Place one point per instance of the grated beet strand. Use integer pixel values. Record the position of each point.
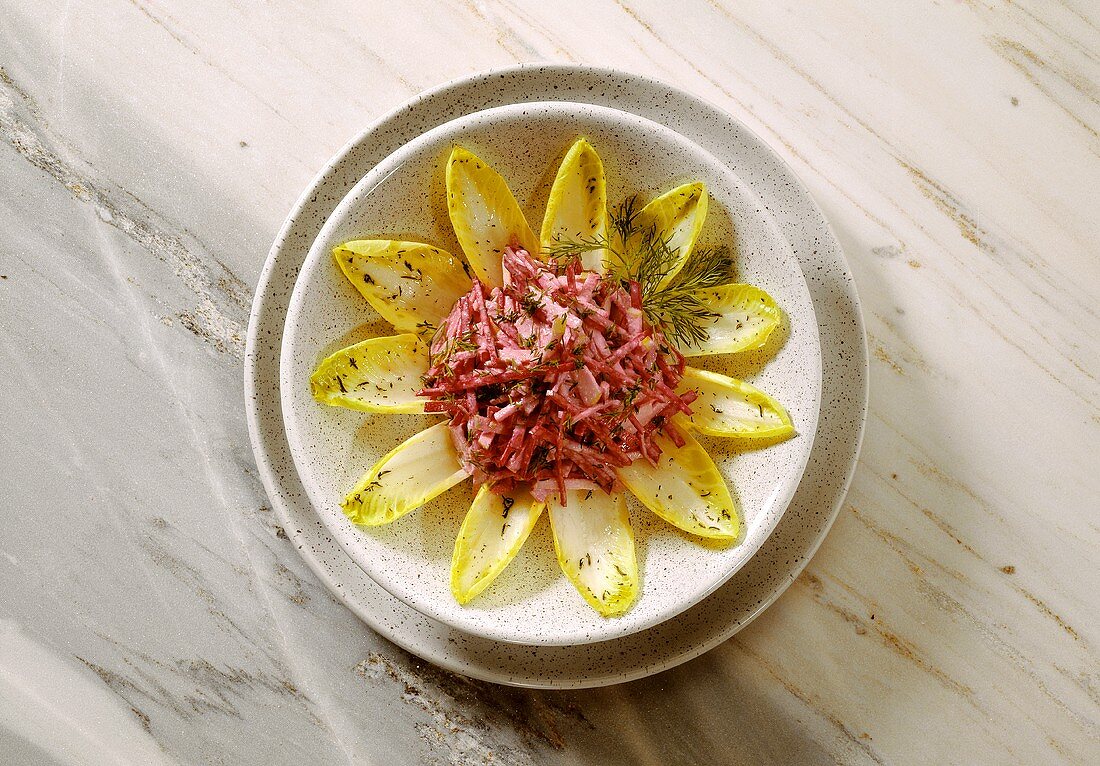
(554, 380)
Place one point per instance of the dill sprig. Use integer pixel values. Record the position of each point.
(644, 256)
(564, 251)
(624, 218)
(677, 306)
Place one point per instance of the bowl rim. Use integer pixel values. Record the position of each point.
(341, 528)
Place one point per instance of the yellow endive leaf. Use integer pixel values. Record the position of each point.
(412, 285)
(485, 215)
(423, 467)
(577, 208)
(685, 489)
(595, 547)
(377, 375)
(730, 407)
(492, 533)
(677, 217)
(746, 317)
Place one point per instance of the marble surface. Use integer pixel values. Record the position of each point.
(152, 609)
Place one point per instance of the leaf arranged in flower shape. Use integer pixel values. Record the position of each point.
(687, 290)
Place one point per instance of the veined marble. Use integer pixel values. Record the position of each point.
(149, 152)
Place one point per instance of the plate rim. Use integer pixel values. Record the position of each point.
(599, 630)
(375, 620)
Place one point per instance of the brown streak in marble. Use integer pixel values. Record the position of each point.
(1027, 62)
(143, 719)
(883, 356)
(188, 575)
(898, 545)
(937, 475)
(1048, 612)
(202, 687)
(912, 355)
(806, 699)
(903, 550)
(200, 329)
(887, 637)
(162, 524)
(114, 681)
(843, 191)
(222, 299)
(1083, 49)
(521, 14)
(501, 38)
(962, 297)
(28, 101)
(1089, 682)
(640, 21)
(932, 471)
(939, 521)
(950, 205)
(953, 606)
(212, 63)
(969, 232)
(1081, 85)
(297, 594)
(1078, 14)
(463, 706)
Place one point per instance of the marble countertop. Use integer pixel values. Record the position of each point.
(153, 613)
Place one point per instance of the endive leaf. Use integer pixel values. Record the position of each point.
(412, 285)
(595, 547)
(494, 530)
(746, 317)
(577, 208)
(485, 215)
(730, 407)
(676, 216)
(424, 466)
(377, 375)
(685, 489)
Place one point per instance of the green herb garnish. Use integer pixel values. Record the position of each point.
(643, 256)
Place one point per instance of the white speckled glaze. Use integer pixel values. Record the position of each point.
(404, 197)
(800, 531)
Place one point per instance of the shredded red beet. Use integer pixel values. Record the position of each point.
(554, 380)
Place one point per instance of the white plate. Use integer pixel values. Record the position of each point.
(532, 602)
(784, 554)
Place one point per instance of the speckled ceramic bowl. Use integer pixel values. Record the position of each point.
(532, 602)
